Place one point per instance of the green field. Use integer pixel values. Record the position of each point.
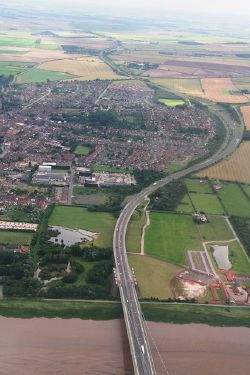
(169, 236)
(77, 217)
(15, 237)
(216, 230)
(208, 203)
(47, 46)
(234, 200)
(246, 188)
(185, 205)
(11, 52)
(134, 232)
(82, 150)
(13, 68)
(16, 42)
(195, 186)
(153, 276)
(172, 102)
(238, 258)
(39, 75)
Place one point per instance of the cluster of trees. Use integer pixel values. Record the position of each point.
(169, 196)
(242, 228)
(29, 214)
(17, 272)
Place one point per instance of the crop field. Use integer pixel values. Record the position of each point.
(82, 150)
(234, 168)
(39, 75)
(153, 276)
(77, 217)
(195, 186)
(185, 205)
(234, 200)
(186, 86)
(246, 188)
(15, 237)
(208, 203)
(16, 42)
(169, 236)
(86, 68)
(219, 90)
(172, 102)
(13, 68)
(245, 110)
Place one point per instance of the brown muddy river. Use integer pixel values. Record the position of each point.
(78, 347)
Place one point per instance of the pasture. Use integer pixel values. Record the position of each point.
(238, 258)
(196, 186)
(77, 217)
(234, 200)
(169, 236)
(220, 90)
(153, 276)
(86, 68)
(234, 168)
(172, 102)
(189, 86)
(185, 205)
(15, 237)
(208, 203)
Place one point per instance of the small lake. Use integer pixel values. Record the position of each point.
(70, 236)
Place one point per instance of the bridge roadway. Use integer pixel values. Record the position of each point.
(137, 334)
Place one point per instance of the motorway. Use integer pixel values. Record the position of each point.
(136, 328)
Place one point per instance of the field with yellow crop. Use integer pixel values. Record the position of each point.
(86, 68)
(235, 168)
(190, 86)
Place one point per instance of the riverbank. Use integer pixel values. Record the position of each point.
(105, 310)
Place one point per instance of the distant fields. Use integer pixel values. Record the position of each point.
(15, 237)
(16, 42)
(77, 217)
(38, 75)
(13, 68)
(219, 90)
(190, 86)
(86, 68)
(172, 102)
(153, 276)
(234, 168)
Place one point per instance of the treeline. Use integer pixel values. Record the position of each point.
(169, 196)
(242, 228)
(71, 49)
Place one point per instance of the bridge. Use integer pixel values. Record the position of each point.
(136, 328)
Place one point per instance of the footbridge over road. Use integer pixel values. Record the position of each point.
(136, 328)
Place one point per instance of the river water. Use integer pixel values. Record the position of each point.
(42, 346)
